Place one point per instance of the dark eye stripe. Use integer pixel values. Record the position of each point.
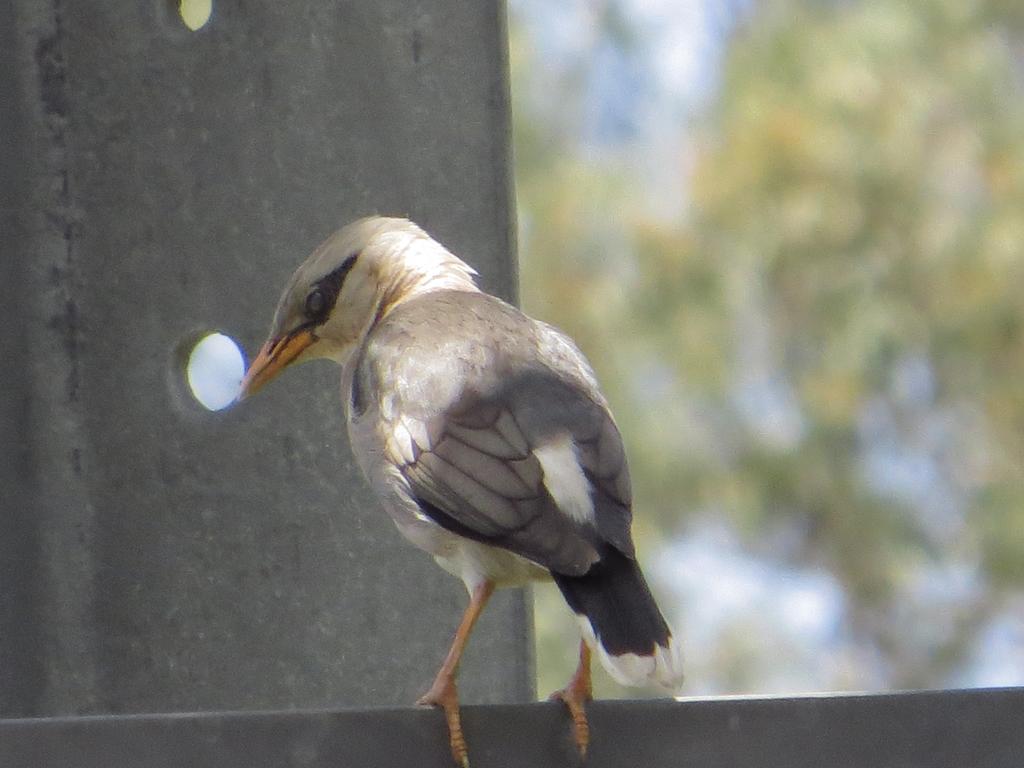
(327, 287)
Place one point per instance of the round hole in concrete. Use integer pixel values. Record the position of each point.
(215, 368)
(195, 13)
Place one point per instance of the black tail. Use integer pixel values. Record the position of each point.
(617, 610)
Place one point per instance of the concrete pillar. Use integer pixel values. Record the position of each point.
(156, 183)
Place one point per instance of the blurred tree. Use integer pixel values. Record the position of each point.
(826, 346)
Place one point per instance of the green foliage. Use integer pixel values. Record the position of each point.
(856, 243)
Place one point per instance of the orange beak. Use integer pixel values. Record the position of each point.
(273, 358)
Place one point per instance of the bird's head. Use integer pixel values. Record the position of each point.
(346, 285)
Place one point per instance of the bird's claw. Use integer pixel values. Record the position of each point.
(574, 702)
(443, 694)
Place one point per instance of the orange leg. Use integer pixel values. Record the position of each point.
(443, 693)
(577, 693)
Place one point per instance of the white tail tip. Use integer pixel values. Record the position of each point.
(662, 667)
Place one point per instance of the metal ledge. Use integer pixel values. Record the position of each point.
(941, 729)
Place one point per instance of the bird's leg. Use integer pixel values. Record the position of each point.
(577, 693)
(443, 693)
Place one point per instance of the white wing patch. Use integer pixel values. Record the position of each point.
(564, 478)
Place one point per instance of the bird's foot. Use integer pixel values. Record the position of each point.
(443, 694)
(575, 696)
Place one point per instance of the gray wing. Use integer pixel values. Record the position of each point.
(496, 423)
(477, 469)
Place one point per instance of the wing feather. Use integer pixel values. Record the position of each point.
(472, 503)
(507, 427)
(478, 482)
(490, 441)
(462, 422)
(490, 472)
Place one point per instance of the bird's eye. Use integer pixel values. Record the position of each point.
(316, 303)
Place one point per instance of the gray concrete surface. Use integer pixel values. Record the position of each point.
(953, 729)
(158, 183)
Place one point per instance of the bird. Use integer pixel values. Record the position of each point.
(487, 439)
